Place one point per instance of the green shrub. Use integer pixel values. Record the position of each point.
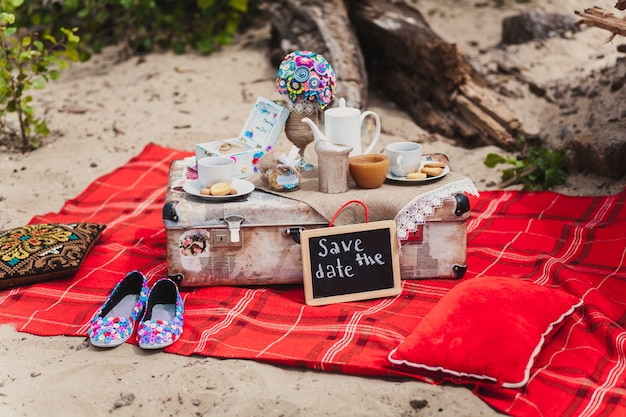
(31, 55)
(538, 169)
(28, 60)
(142, 25)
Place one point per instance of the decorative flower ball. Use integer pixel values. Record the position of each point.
(305, 75)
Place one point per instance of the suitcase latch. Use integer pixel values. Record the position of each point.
(294, 232)
(234, 226)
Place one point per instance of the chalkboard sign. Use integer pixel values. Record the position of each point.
(348, 263)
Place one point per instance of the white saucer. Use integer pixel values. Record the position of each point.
(406, 180)
(243, 187)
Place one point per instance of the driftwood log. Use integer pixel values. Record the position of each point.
(389, 46)
(603, 19)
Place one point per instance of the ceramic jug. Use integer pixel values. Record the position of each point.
(332, 160)
(342, 126)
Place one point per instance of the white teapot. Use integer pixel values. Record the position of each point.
(343, 126)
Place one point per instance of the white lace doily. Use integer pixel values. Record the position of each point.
(308, 107)
(418, 210)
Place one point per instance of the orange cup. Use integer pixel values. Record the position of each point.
(369, 171)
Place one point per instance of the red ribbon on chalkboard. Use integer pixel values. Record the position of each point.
(344, 206)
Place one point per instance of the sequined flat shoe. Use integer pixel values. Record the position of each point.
(114, 322)
(162, 322)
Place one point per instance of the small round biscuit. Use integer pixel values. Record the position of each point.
(205, 191)
(433, 172)
(220, 189)
(434, 164)
(233, 192)
(416, 176)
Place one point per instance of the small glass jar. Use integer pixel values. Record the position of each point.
(284, 178)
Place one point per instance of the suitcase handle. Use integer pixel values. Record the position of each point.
(344, 206)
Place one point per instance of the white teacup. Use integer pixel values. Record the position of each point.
(214, 169)
(404, 158)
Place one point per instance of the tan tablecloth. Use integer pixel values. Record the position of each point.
(408, 203)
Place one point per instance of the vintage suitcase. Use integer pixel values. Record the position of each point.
(255, 241)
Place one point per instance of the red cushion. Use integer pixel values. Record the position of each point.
(488, 329)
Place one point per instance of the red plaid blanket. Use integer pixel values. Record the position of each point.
(578, 244)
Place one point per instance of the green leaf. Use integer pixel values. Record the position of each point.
(73, 38)
(28, 110)
(240, 5)
(42, 129)
(224, 39)
(72, 55)
(492, 159)
(39, 83)
(39, 45)
(508, 174)
(26, 56)
(54, 75)
(26, 41)
(520, 163)
(232, 25)
(7, 19)
(71, 35)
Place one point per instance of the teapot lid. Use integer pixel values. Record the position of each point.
(343, 109)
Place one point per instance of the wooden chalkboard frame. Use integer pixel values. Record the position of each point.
(394, 282)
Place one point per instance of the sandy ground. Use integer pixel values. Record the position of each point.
(104, 112)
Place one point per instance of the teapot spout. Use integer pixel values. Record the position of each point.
(317, 133)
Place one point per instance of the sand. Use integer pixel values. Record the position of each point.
(104, 112)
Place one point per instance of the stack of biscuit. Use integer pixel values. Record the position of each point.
(220, 189)
(428, 169)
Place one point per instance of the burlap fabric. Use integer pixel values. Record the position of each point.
(383, 203)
